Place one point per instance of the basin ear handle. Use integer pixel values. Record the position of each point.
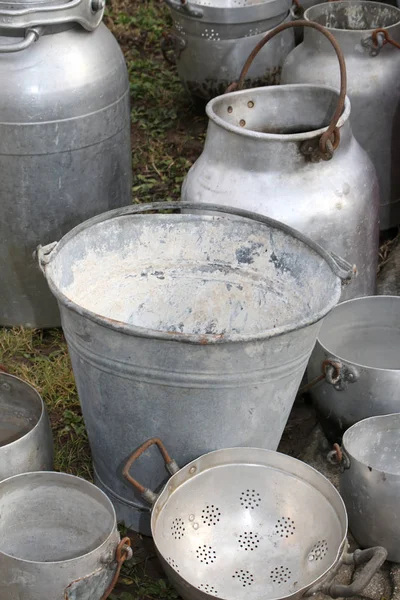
(170, 463)
(338, 456)
(43, 255)
(372, 558)
(330, 139)
(122, 553)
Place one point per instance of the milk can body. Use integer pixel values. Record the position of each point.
(210, 50)
(373, 83)
(64, 143)
(334, 202)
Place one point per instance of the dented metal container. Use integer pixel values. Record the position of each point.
(58, 539)
(26, 441)
(373, 68)
(211, 39)
(196, 326)
(64, 139)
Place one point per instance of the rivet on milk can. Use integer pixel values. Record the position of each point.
(198, 327)
(293, 157)
(26, 442)
(211, 38)
(58, 539)
(369, 35)
(64, 139)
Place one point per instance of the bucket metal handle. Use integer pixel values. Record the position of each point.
(372, 558)
(83, 588)
(342, 269)
(170, 464)
(330, 139)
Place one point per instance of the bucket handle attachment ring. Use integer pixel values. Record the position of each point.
(338, 456)
(377, 40)
(170, 464)
(122, 553)
(330, 139)
(372, 558)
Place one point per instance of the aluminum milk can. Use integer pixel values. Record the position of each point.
(211, 39)
(262, 153)
(373, 68)
(64, 139)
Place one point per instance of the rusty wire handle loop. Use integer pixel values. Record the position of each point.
(137, 454)
(385, 33)
(331, 372)
(122, 553)
(332, 131)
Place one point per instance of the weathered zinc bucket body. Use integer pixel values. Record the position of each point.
(211, 39)
(26, 442)
(261, 153)
(64, 139)
(373, 82)
(196, 326)
(58, 539)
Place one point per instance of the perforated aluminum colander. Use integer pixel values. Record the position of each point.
(245, 522)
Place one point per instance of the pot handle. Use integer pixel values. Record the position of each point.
(372, 558)
(170, 463)
(330, 139)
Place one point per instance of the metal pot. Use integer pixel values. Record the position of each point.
(64, 139)
(203, 319)
(356, 357)
(288, 152)
(58, 539)
(373, 82)
(26, 442)
(370, 481)
(210, 40)
(250, 521)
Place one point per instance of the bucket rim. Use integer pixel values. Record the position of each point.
(198, 339)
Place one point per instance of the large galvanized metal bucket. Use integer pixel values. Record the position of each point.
(58, 539)
(26, 442)
(198, 326)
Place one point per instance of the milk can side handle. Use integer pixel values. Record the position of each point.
(372, 558)
(170, 463)
(330, 139)
(32, 34)
(123, 553)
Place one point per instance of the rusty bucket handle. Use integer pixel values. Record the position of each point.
(122, 553)
(170, 464)
(330, 139)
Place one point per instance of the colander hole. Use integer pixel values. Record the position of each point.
(206, 554)
(173, 564)
(280, 575)
(208, 588)
(178, 528)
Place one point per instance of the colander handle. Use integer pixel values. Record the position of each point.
(372, 558)
(170, 463)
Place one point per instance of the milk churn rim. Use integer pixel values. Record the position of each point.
(62, 475)
(343, 358)
(43, 414)
(358, 425)
(283, 137)
(201, 339)
(362, 3)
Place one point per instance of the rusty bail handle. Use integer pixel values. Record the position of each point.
(388, 39)
(331, 131)
(137, 454)
(122, 553)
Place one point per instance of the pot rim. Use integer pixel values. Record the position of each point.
(360, 2)
(107, 503)
(359, 424)
(172, 486)
(43, 414)
(347, 360)
(276, 137)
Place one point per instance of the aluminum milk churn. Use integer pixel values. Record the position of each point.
(64, 139)
(211, 39)
(264, 151)
(373, 70)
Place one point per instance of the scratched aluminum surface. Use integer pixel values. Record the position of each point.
(190, 327)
